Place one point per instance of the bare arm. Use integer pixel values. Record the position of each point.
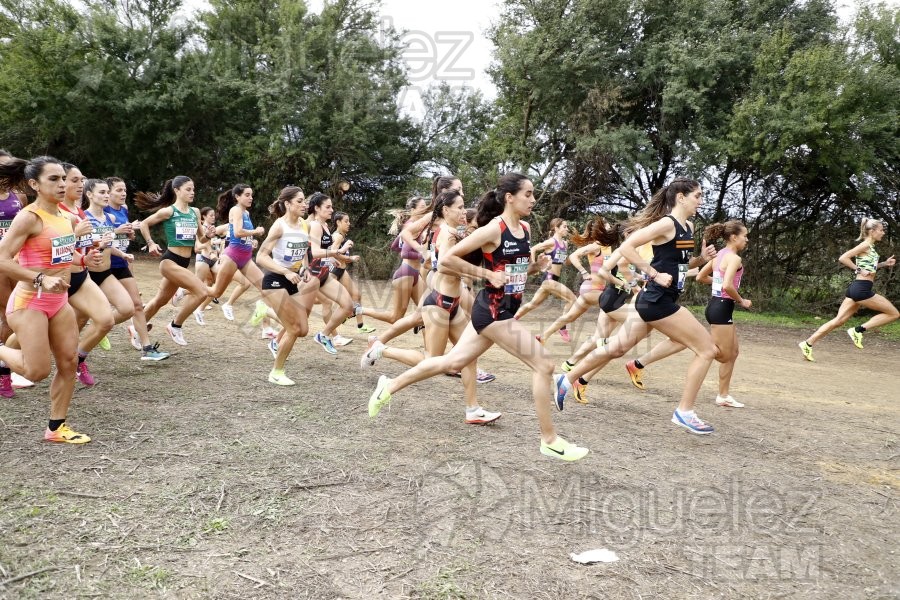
(847, 257)
(732, 264)
(452, 263)
(157, 217)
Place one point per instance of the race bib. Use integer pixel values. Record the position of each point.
(84, 241)
(717, 285)
(101, 231)
(122, 242)
(4, 227)
(516, 276)
(185, 232)
(682, 275)
(61, 249)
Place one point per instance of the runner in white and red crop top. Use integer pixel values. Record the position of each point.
(503, 239)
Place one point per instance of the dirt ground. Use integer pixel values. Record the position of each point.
(203, 480)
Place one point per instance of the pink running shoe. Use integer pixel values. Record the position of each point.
(6, 387)
(564, 334)
(84, 375)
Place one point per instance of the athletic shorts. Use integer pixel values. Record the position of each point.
(548, 276)
(339, 273)
(612, 299)
(48, 303)
(209, 261)
(75, 282)
(448, 303)
(484, 312)
(719, 311)
(406, 271)
(655, 307)
(241, 255)
(121, 273)
(182, 261)
(277, 281)
(100, 276)
(860, 290)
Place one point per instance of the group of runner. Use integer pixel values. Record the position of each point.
(64, 267)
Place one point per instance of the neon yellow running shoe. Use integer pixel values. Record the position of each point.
(567, 367)
(580, 392)
(259, 313)
(563, 450)
(279, 378)
(66, 435)
(365, 328)
(856, 337)
(807, 351)
(380, 396)
(105, 345)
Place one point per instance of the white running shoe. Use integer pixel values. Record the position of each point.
(179, 295)
(273, 347)
(198, 316)
(340, 340)
(228, 311)
(135, 340)
(481, 416)
(268, 334)
(177, 335)
(372, 353)
(20, 382)
(728, 401)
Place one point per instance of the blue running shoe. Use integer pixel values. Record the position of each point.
(691, 422)
(326, 344)
(563, 387)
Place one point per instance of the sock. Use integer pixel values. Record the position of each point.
(54, 424)
(176, 326)
(684, 413)
(472, 409)
(582, 381)
(638, 364)
(4, 370)
(605, 342)
(562, 328)
(860, 329)
(359, 325)
(81, 358)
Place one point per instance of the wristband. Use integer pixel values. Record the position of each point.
(82, 262)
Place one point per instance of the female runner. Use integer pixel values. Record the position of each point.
(181, 224)
(504, 240)
(863, 261)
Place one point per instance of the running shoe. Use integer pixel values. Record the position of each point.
(268, 334)
(484, 377)
(691, 422)
(562, 386)
(580, 391)
(273, 347)
(481, 416)
(153, 353)
(260, 310)
(340, 340)
(279, 378)
(564, 334)
(198, 316)
(365, 328)
(563, 450)
(380, 396)
(806, 349)
(635, 374)
(104, 344)
(457, 374)
(856, 337)
(417, 329)
(325, 342)
(728, 401)
(135, 340)
(84, 375)
(372, 353)
(20, 382)
(177, 297)
(228, 311)
(215, 300)
(567, 367)
(177, 334)
(66, 435)
(6, 387)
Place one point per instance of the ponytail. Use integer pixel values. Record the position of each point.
(722, 231)
(16, 172)
(227, 199)
(279, 208)
(147, 201)
(600, 232)
(493, 203)
(865, 226)
(401, 216)
(662, 203)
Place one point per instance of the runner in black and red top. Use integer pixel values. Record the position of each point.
(504, 242)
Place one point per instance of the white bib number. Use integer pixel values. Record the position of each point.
(4, 227)
(682, 275)
(516, 276)
(185, 232)
(61, 249)
(717, 285)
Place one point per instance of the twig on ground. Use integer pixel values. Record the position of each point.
(80, 494)
(221, 497)
(25, 576)
(259, 582)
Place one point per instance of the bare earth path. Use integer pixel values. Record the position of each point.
(206, 481)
